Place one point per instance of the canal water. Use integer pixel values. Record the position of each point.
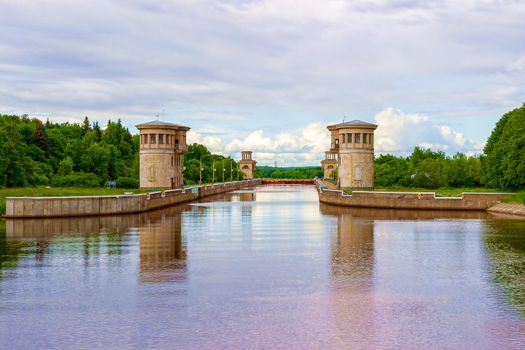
(264, 268)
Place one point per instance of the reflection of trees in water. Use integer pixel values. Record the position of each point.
(505, 245)
(11, 252)
(160, 239)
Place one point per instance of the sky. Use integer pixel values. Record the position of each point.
(270, 75)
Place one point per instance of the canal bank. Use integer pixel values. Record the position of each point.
(510, 209)
(408, 200)
(72, 206)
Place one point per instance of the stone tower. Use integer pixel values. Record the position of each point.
(247, 165)
(329, 165)
(354, 143)
(162, 147)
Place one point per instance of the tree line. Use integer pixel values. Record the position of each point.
(66, 154)
(289, 173)
(425, 168)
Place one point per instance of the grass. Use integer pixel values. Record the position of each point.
(518, 197)
(57, 192)
(442, 191)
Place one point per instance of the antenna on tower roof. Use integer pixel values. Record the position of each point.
(161, 114)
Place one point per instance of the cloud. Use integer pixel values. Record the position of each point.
(304, 146)
(399, 132)
(213, 143)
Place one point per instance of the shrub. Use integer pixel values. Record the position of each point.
(127, 182)
(76, 180)
(39, 179)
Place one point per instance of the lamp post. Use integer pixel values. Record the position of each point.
(201, 169)
(223, 170)
(213, 172)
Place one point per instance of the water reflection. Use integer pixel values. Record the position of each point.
(401, 214)
(353, 243)
(161, 251)
(505, 246)
(162, 255)
(46, 228)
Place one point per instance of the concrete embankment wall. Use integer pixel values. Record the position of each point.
(510, 209)
(409, 200)
(40, 207)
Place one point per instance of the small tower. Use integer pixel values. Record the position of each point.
(329, 165)
(354, 143)
(162, 148)
(247, 165)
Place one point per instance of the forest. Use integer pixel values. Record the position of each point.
(289, 173)
(33, 153)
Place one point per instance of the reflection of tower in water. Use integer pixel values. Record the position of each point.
(351, 298)
(247, 196)
(162, 255)
(353, 245)
(246, 210)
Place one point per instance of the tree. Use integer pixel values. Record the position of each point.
(66, 167)
(504, 160)
(39, 135)
(390, 170)
(85, 126)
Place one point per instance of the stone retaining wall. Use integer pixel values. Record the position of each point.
(508, 209)
(40, 207)
(409, 200)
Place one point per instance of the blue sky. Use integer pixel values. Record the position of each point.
(270, 75)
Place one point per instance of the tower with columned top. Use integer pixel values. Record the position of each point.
(353, 142)
(162, 148)
(329, 165)
(247, 164)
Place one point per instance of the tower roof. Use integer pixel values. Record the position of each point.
(353, 123)
(160, 124)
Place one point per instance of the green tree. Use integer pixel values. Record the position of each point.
(504, 160)
(66, 167)
(85, 126)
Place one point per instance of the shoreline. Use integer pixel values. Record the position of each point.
(508, 209)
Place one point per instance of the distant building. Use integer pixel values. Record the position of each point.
(329, 165)
(247, 164)
(162, 147)
(353, 142)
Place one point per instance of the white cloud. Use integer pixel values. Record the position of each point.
(399, 133)
(213, 143)
(304, 146)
